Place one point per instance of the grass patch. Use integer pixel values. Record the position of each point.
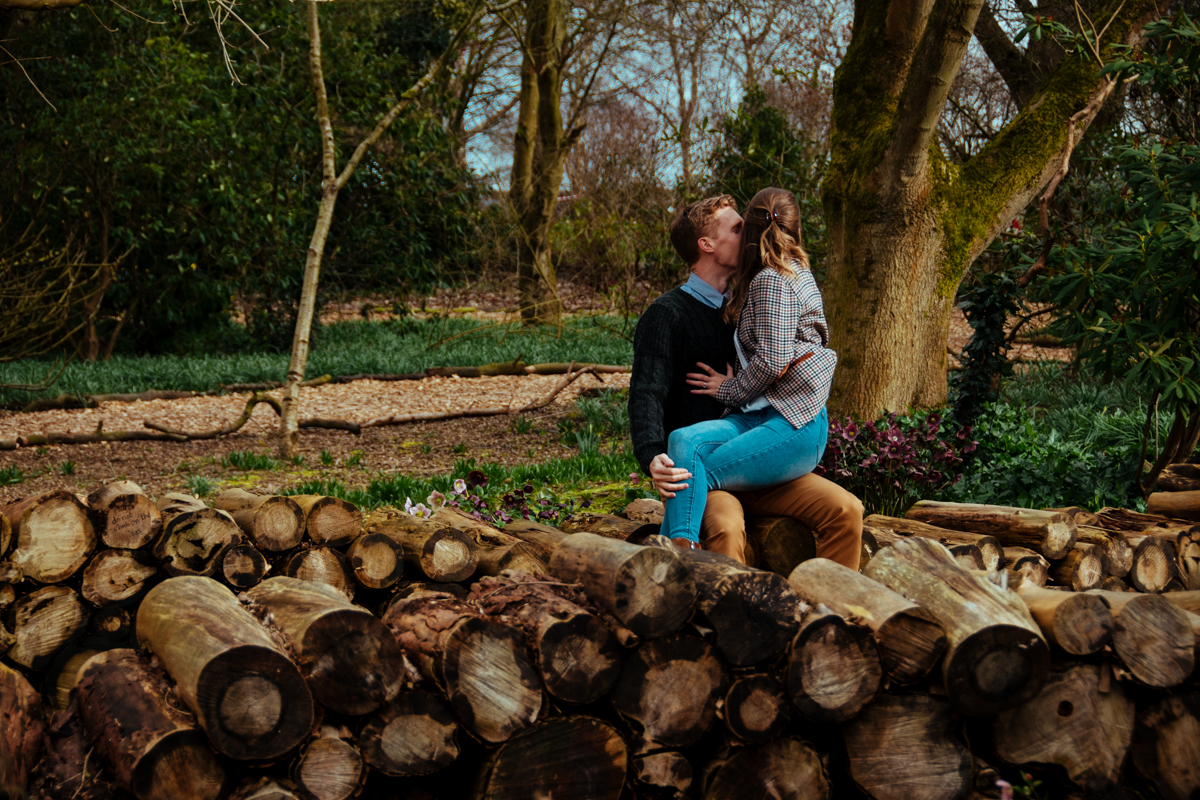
(345, 348)
(199, 486)
(11, 476)
(248, 461)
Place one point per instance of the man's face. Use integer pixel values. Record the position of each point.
(725, 235)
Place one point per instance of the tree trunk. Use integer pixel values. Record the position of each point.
(195, 537)
(1085, 567)
(833, 668)
(904, 747)
(43, 621)
(330, 520)
(990, 548)
(117, 577)
(243, 566)
(1033, 567)
(53, 534)
(753, 613)
(1153, 564)
(1166, 745)
(647, 589)
(577, 655)
(756, 708)
(1080, 624)
(1176, 505)
(1050, 533)
(1072, 722)
(648, 691)
(995, 657)
(480, 664)
(330, 767)
(274, 524)
(569, 758)
(903, 222)
(246, 693)
(323, 565)
(21, 734)
(414, 734)
(151, 748)
(784, 768)
(910, 639)
(377, 560)
(125, 517)
(349, 658)
(1152, 637)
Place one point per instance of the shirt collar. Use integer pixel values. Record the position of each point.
(703, 291)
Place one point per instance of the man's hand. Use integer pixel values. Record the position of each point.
(666, 478)
(710, 380)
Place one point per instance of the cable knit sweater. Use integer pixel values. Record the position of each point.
(675, 332)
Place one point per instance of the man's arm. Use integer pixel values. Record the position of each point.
(653, 366)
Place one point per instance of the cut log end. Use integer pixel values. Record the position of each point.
(782, 768)
(996, 668)
(834, 668)
(756, 708)
(413, 735)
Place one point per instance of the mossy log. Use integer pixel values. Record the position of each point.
(567, 758)
(833, 667)
(273, 523)
(756, 708)
(910, 640)
(1153, 637)
(1080, 624)
(329, 521)
(246, 693)
(996, 656)
(22, 728)
(125, 517)
(415, 734)
(1049, 532)
(989, 546)
(43, 621)
(117, 577)
(350, 659)
(576, 654)
(53, 535)
(330, 766)
(153, 749)
(650, 691)
(481, 665)
(783, 768)
(195, 537)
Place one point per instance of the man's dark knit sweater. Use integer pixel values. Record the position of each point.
(675, 332)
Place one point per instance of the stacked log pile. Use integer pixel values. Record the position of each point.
(275, 647)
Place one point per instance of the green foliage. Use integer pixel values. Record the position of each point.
(326, 459)
(987, 303)
(355, 459)
(522, 424)
(247, 461)
(67, 468)
(11, 475)
(200, 486)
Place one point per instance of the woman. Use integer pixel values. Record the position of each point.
(775, 428)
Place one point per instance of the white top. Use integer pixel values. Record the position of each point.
(759, 402)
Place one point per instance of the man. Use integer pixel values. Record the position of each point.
(684, 327)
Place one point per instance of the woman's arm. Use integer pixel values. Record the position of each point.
(776, 317)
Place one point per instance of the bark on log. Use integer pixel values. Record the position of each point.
(989, 546)
(756, 708)
(649, 690)
(1078, 514)
(1166, 745)
(43, 621)
(1176, 505)
(645, 510)
(967, 555)
(1074, 724)
(542, 537)
(1187, 559)
(480, 664)
(1179, 478)
(350, 659)
(784, 768)
(323, 565)
(273, 524)
(377, 560)
(243, 566)
(1033, 567)
(1153, 564)
(6, 536)
(68, 768)
(522, 557)
(195, 537)
(125, 517)
(1050, 533)
(1115, 545)
(268, 787)
(330, 767)
(665, 773)
(1112, 584)
(576, 654)
(1081, 624)
(330, 520)
(780, 543)
(22, 727)
(414, 734)
(995, 657)
(53, 535)
(439, 552)
(1122, 519)
(569, 758)
(117, 577)
(904, 747)
(647, 589)
(606, 525)
(1189, 601)
(1152, 637)
(246, 693)
(833, 668)
(1085, 567)
(153, 749)
(910, 640)
(754, 613)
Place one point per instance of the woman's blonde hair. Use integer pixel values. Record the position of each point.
(770, 238)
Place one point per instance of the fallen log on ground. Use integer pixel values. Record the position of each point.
(989, 546)
(1050, 533)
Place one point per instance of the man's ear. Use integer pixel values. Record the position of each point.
(705, 244)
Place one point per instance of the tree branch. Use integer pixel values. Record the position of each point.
(1016, 68)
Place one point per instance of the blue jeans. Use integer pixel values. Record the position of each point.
(751, 450)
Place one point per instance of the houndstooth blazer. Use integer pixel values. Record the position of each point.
(782, 322)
